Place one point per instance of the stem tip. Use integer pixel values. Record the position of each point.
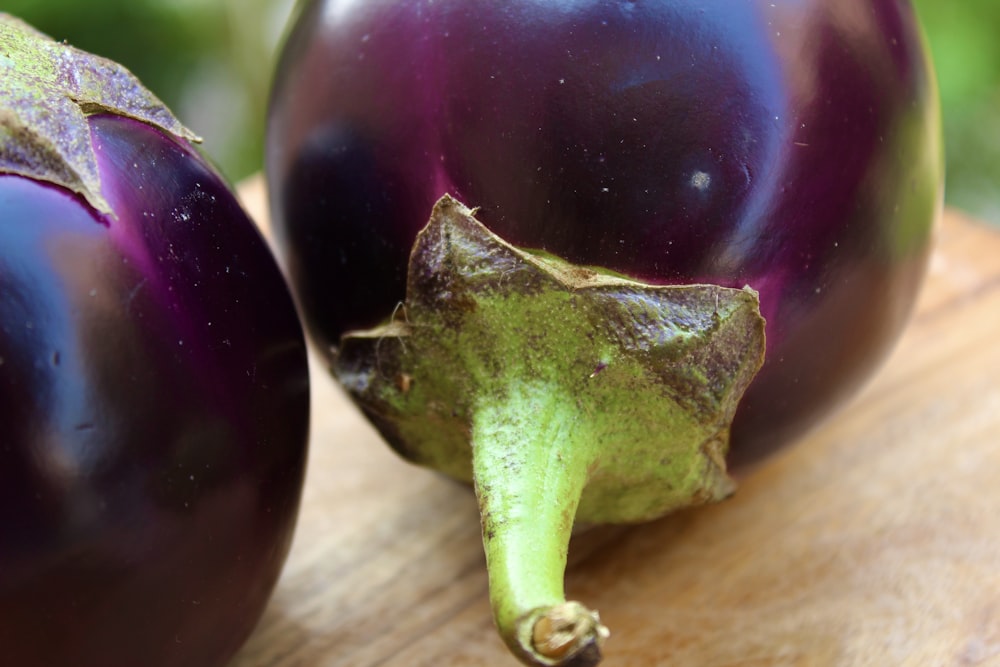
(569, 634)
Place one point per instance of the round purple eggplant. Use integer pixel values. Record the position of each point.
(154, 390)
(791, 148)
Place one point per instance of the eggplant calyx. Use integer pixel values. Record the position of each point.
(47, 90)
(562, 393)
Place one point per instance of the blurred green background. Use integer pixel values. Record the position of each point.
(211, 61)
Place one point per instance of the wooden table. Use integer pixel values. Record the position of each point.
(874, 541)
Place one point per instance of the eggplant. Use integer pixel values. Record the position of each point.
(154, 388)
(702, 165)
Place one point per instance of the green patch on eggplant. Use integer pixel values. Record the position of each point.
(47, 90)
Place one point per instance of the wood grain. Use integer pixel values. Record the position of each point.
(873, 541)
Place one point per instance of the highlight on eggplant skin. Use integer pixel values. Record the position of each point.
(154, 390)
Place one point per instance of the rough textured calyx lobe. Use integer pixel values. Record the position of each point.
(654, 373)
(47, 89)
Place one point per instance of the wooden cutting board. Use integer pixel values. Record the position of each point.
(873, 541)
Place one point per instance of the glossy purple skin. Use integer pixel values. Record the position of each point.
(792, 145)
(154, 398)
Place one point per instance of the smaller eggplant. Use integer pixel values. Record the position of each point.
(154, 388)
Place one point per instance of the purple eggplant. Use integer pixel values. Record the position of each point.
(154, 390)
(788, 147)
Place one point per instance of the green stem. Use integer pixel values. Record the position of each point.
(585, 394)
(529, 470)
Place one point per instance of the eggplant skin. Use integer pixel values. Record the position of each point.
(154, 397)
(789, 145)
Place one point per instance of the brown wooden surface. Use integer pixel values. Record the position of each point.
(874, 541)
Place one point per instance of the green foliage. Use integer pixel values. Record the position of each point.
(966, 54)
